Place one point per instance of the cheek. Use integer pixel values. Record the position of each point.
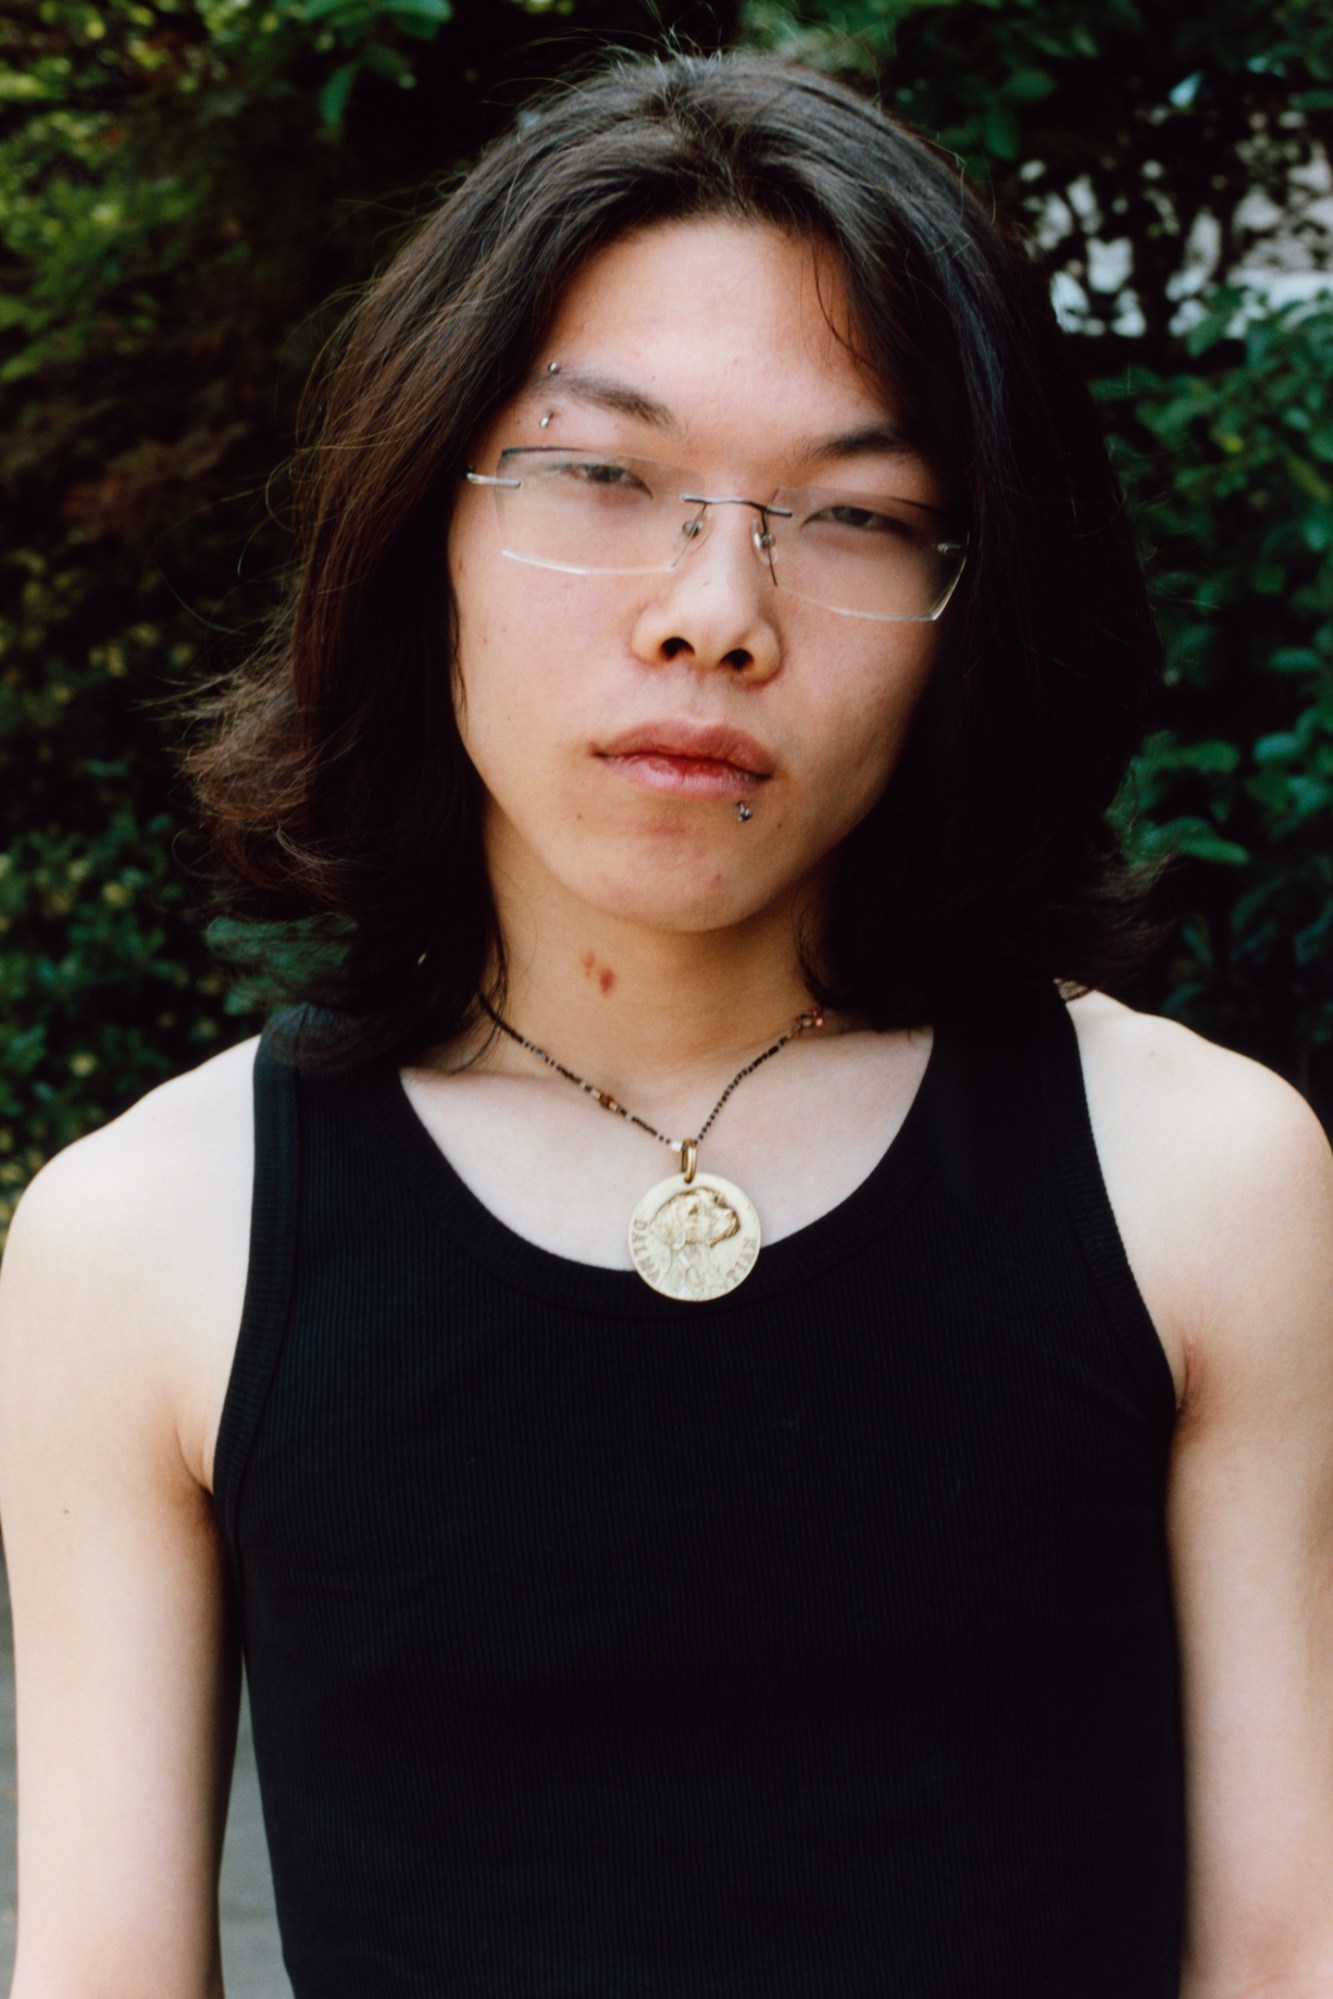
(876, 713)
(493, 647)
(519, 691)
(524, 625)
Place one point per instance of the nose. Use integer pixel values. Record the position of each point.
(716, 608)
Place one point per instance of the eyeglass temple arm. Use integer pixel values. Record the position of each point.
(486, 479)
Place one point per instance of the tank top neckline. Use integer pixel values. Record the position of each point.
(400, 1137)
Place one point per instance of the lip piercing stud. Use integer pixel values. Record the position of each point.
(743, 811)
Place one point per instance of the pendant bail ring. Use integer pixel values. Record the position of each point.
(689, 1158)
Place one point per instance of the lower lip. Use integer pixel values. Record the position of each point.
(686, 777)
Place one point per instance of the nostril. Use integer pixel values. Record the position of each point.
(674, 647)
(738, 658)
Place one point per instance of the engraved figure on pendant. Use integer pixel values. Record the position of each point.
(692, 1225)
(694, 1240)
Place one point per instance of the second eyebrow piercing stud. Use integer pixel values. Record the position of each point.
(553, 367)
(546, 420)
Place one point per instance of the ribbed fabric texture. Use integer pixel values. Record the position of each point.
(814, 1643)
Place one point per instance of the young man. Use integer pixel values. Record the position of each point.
(717, 646)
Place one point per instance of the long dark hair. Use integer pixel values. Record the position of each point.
(333, 781)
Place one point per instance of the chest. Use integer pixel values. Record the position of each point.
(913, 1439)
(558, 1171)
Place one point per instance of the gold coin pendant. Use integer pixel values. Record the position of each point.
(695, 1239)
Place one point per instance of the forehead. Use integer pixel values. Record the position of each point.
(717, 328)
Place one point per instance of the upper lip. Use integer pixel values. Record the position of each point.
(710, 742)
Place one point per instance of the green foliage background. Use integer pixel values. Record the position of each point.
(189, 192)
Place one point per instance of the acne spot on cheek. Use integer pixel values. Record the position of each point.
(606, 978)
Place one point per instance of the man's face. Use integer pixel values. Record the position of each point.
(708, 345)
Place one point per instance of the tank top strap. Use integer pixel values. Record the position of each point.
(1083, 1189)
(1013, 1143)
(997, 1068)
(274, 1218)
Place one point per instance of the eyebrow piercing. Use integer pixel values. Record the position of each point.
(743, 811)
(553, 367)
(546, 420)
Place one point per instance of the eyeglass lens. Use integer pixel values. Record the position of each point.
(597, 514)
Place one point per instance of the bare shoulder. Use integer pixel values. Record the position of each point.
(128, 1252)
(1220, 1174)
(1185, 1091)
(122, 1192)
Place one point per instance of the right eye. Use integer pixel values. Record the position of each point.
(605, 472)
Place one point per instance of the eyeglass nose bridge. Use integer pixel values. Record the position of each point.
(759, 535)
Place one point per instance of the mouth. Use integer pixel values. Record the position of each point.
(691, 759)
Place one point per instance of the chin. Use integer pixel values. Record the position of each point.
(699, 895)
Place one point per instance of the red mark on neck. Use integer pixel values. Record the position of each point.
(603, 974)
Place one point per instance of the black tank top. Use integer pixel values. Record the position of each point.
(815, 1643)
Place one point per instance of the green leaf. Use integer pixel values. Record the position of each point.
(1271, 789)
(1256, 907)
(432, 12)
(1213, 757)
(1029, 86)
(1000, 132)
(1309, 480)
(1198, 840)
(28, 362)
(1317, 530)
(1281, 747)
(1218, 320)
(333, 97)
(1310, 796)
(388, 63)
(1315, 941)
(1295, 659)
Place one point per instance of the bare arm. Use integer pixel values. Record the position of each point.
(1224, 1185)
(1251, 1519)
(127, 1674)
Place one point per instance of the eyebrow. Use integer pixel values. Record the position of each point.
(875, 439)
(872, 440)
(604, 392)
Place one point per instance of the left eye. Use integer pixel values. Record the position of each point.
(862, 520)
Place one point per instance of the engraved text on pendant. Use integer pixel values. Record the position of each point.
(694, 1239)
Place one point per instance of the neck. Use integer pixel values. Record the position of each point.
(628, 1006)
